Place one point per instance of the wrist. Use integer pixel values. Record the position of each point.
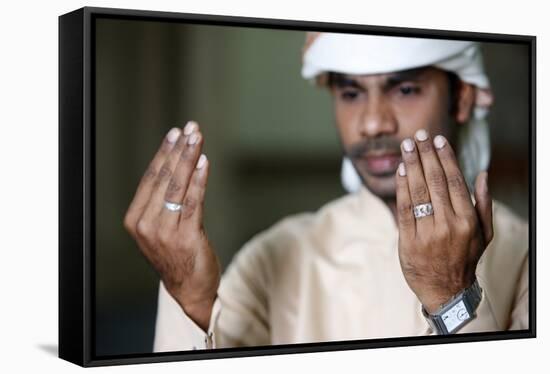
(200, 312)
(433, 302)
(456, 312)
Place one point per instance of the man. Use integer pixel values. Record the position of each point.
(409, 252)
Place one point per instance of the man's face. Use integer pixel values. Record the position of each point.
(374, 113)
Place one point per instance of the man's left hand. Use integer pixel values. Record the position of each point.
(439, 253)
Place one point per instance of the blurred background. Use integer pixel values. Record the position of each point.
(269, 136)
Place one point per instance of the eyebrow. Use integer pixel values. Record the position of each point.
(344, 80)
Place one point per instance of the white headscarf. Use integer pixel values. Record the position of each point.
(369, 54)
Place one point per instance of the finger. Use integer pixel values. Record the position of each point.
(418, 188)
(193, 203)
(405, 217)
(164, 177)
(146, 184)
(185, 166)
(484, 206)
(458, 190)
(434, 175)
(179, 183)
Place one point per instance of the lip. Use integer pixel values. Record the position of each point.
(383, 163)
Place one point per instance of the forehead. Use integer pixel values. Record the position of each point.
(417, 74)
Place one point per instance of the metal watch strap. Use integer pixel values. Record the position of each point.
(470, 297)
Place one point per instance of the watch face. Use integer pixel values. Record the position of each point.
(462, 314)
(455, 316)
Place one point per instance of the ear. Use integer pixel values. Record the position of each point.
(465, 102)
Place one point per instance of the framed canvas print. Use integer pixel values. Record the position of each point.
(236, 186)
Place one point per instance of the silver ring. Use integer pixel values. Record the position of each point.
(423, 210)
(173, 207)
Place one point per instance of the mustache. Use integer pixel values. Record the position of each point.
(385, 144)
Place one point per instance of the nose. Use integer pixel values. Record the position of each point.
(377, 118)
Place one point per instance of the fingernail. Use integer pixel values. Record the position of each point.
(173, 135)
(408, 145)
(189, 127)
(201, 162)
(439, 141)
(421, 135)
(401, 169)
(193, 139)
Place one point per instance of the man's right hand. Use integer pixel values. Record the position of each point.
(175, 243)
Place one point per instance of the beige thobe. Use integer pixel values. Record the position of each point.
(335, 275)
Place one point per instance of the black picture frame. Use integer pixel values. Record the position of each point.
(77, 176)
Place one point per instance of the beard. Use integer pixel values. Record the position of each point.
(375, 161)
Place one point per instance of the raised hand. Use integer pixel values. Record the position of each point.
(166, 220)
(439, 252)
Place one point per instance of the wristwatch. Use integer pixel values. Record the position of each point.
(457, 312)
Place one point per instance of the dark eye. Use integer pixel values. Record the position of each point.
(408, 90)
(349, 95)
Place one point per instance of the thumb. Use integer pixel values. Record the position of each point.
(484, 206)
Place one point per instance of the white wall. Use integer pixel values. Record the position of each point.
(28, 205)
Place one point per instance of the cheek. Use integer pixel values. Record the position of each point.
(346, 123)
(425, 113)
(411, 120)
